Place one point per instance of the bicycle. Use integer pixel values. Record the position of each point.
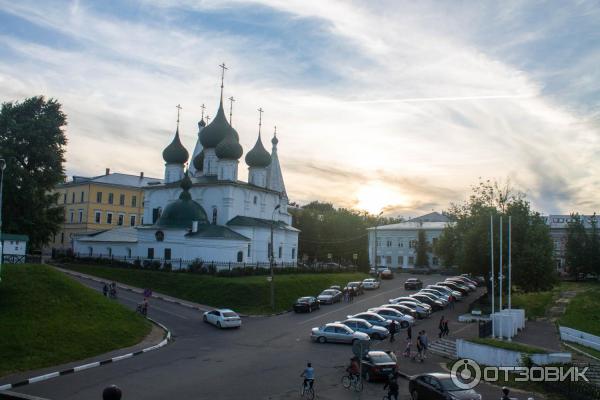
(307, 391)
(352, 381)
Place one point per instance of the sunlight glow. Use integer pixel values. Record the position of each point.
(376, 197)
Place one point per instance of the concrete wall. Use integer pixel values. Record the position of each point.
(496, 357)
(583, 338)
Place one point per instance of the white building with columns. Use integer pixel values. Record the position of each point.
(205, 212)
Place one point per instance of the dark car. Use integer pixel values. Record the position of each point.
(455, 286)
(404, 309)
(306, 304)
(438, 386)
(357, 287)
(423, 298)
(413, 284)
(378, 365)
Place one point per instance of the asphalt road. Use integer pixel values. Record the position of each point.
(262, 360)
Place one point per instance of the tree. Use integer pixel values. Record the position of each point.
(422, 250)
(32, 142)
(576, 248)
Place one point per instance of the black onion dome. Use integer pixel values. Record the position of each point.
(258, 156)
(216, 131)
(275, 140)
(199, 161)
(175, 153)
(201, 124)
(229, 148)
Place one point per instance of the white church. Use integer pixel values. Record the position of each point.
(205, 212)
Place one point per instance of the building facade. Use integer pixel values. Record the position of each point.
(394, 246)
(94, 204)
(559, 225)
(202, 211)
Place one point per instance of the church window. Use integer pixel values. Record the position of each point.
(98, 197)
(280, 252)
(122, 200)
(133, 201)
(151, 252)
(255, 199)
(109, 252)
(90, 251)
(293, 253)
(214, 216)
(111, 198)
(167, 254)
(240, 256)
(109, 218)
(249, 249)
(128, 252)
(97, 216)
(132, 220)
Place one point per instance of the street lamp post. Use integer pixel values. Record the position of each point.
(2, 168)
(272, 258)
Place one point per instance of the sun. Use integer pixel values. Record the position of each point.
(376, 196)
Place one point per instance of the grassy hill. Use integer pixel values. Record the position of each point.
(47, 319)
(249, 294)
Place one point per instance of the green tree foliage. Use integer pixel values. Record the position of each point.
(32, 142)
(467, 243)
(340, 232)
(422, 250)
(582, 250)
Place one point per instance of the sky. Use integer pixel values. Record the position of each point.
(393, 106)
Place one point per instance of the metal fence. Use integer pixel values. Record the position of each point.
(21, 259)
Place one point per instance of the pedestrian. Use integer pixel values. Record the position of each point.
(105, 290)
(446, 329)
(409, 333)
(407, 348)
(346, 295)
(351, 294)
(441, 327)
(451, 301)
(419, 354)
(425, 341)
(392, 329)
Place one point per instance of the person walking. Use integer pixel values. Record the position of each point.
(351, 294)
(419, 354)
(392, 329)
(451, 301)
(446, 329)
(407, 348)
(105, 290)
(441, 327)
(425, 342)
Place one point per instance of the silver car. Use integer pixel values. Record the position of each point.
(335, 332)
(329, 296)
(360, 325)
(403, 319)
(457, 295)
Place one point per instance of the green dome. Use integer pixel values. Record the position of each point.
(229, 148)
(183, 211)
(199, 161)
(218, 129)
(258, 156)
(175, 153)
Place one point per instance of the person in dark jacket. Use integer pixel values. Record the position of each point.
(392, 329)
(392, 387)
(441, 327)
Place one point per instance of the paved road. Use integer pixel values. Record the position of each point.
(262, 360)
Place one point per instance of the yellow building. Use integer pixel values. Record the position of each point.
(99, 203)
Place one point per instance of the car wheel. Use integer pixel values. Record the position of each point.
(414, 395)
(322, 339)
(219, 324)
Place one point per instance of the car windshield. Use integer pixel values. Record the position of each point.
(448, 384)
(352, 284)
(380, 358)
(369, 280)
(328, 292)
(303, 299)
(229, 314)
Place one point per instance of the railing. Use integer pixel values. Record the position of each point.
(21, 259)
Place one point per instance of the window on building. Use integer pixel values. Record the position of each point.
(378, 243)
(111, 198)
(109, 218)
(132, 220)
(293, 253)
(62, 237)
(80, 216)
(97, 216)
(412, 244)
(378, 260)
(389, 243)
(122, 200)
(133, 201)
(150, 253)
(255, 199)
(411, 260)
(82, 198)
(98, 197)
(71, 216)
(388, 260)
(280, 252)
(435, 261)
(73, 197)
(214, 215)
(120, 219)
(400, 243)
(109, 252)
(240, 256)
(400, 260)
(65, 198)
(434, 241)
(249, 250)
(167, 254)
(128, 252)
(90, 251)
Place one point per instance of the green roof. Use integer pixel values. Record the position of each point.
(175, 153)
(258, 156)
(218, 129)
(14, 236)
(183, 211)
(257, 222)
(216, 232)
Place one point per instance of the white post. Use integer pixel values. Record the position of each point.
(500, 275)
(2, 167)
(492, 277)
(509, 262)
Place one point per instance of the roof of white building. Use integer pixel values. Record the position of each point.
(126, 235)
(115, 178)
(412, 225)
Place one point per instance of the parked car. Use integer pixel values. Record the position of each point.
(329, 296)
(371, 283)
(356, 286)
(389, 313)
(455, 286)
(223, 318)
(360, 325)
(418, 307)
(434, 303)
(413, 284)
(386, 274)
(378, 365)
(411, 299)
(457, 295)
(336, 287)
(334, 332)
(306, 304)
(403, 308)
(464, 282)
(372, 318)
(438, 386)
(437, 293)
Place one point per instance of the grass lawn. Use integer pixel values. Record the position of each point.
(535, 304)
(589, 350)
(522, 348)
(583, 312)
(249, 294)
(48, 319)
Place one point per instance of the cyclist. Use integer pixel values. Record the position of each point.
(392, 387)
(308, 375)
(354, 368)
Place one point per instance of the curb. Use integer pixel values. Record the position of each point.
(40, 378)
(580, 351)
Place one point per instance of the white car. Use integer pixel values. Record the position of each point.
(371, 283)
(223, 318)
(390, 313)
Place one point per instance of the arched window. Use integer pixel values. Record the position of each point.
(90, 251)
(255, 199)
(214, 216)
(109, 251)
(240, 256)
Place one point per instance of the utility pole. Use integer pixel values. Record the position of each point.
(272, 259)
(509, 262)
(500, 276)
(492, 277)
